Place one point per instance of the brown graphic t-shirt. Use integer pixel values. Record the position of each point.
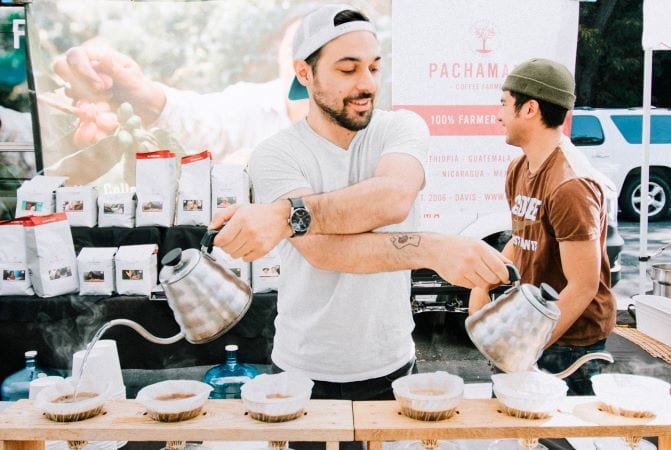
(552, 205)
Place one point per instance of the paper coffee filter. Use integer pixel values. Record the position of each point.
(290, 384)
(531, 395)
(433, 391)
(283, 394)
(428, 396)
(45, 398)
(41, 383)
(529, 384)
(631, 395)
(150, 396)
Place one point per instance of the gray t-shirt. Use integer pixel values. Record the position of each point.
(333, 326)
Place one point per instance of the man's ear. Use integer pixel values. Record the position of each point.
(531, 108)
(303, 72)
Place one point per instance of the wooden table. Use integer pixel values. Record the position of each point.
(23, 427)
(378, 421)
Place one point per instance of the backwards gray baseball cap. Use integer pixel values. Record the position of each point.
(318, 29)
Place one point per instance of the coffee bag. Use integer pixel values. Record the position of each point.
(136, 269)
(80, 203)
(116, 210)
(194, 198)
(155, 188)
(266, 272)
(230, 185)
(14, 274)
(96, 270)
(37, 197)
(239, 267)
(50, 253)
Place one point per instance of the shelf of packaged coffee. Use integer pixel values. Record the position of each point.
(22, 425)
(378, 421)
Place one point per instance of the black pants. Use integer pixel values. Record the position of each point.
(373, 389)
(556, 358)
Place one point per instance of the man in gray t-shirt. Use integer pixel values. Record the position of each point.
(348, 233)
(339, 326)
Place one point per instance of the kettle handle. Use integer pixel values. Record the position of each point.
(513, 273)
(208, 239)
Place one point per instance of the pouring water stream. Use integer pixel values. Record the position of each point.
(125, 322)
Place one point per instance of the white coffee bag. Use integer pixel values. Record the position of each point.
(136, 269)
(96, 270)
(266, 272)
(36, 197)
(80, 203)
(239, 267)
(194, 198)
(50, 253)
(14, 274)
(116, 210)
(155, 187)
(230, 185)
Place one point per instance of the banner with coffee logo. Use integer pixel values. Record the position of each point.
(450, 60)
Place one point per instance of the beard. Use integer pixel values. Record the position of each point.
(355, 121)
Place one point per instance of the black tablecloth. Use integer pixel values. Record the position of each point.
(57, 327)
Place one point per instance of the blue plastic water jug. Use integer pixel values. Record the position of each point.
(227, 378)
(17, 385)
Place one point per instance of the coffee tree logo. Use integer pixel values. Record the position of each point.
(484, 31)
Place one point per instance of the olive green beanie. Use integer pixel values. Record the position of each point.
(543, 79)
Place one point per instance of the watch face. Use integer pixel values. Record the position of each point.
(300, 220)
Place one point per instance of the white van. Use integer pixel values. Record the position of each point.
(611, 138)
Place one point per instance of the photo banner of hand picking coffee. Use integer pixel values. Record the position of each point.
(114, 78)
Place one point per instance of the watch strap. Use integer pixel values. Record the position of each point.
(296, 202)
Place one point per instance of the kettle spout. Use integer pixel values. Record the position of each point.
(143, 331)
(582, 360)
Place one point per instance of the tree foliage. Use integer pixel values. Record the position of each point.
(609, 68)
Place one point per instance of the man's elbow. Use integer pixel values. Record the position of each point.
(592, 285)
(401, 205)
(589, 289)
(397, 215)
(316, 258)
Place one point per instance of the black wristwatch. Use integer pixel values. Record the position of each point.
(299, 218)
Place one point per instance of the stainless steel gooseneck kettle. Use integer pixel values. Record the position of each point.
(512, 331)
(206, 298)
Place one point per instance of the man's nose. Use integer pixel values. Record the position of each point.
(367, 82)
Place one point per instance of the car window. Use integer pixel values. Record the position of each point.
(586, 130)
(631, 128)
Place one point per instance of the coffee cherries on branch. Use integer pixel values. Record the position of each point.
(96, 122)
(131, 132)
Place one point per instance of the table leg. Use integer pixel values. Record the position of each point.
(22, 445)
(664, 443)
(374, 445)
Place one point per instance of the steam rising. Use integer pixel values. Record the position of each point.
(68, 335)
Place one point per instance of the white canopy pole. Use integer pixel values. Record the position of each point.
(645, 172)
(656, 36)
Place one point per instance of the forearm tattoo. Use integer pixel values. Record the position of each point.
(403, 240)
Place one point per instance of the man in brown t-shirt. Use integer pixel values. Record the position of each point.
(558, 218)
